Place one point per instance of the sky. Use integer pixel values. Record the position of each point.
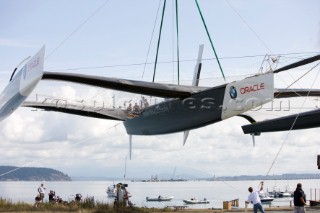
(119, 39)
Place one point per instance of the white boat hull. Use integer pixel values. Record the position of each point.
(161, 199)
(196, 201)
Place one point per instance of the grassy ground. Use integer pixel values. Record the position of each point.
(90, 206)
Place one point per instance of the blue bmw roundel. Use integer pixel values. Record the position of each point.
(233, 92)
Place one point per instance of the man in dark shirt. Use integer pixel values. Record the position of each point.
(299, 200)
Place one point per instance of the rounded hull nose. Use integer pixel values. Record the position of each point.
(21, 85)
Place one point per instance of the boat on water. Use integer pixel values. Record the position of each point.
(264, 197)
(276, 193)
(195, 201)
(111, 191)
(159, 198)
(285, 194)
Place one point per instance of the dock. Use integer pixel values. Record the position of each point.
(232, 206)
(249, 210)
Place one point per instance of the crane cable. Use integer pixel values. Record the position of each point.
(77, 29)
(205, 26)
(298, 79)
(177, 28)
(154, 26)
(166, 62)
(155, 63)
(295, 120)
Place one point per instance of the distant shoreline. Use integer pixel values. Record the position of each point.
(13, 173)
(223, 178)
(148, 181)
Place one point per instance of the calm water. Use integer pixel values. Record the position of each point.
(215, 191)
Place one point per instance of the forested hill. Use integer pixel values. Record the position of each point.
(12, 173)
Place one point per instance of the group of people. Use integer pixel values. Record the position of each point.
(299, 199)
(136, 109)
(52, 196)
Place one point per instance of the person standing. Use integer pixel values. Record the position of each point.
(41, 191)
(255, 199)
(299, 199)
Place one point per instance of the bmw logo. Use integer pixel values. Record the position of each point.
(233, 92)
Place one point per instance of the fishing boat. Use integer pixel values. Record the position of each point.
(195, 201)
(159, 198)
(276, 193)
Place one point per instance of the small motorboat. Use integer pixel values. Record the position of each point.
(285, 194)
(265, 199)
(159, 198)
(195, 201)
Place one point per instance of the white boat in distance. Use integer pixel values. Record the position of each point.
(159, 198)
(277, 193)
(195, 201)
(265, 199)
(111, 191)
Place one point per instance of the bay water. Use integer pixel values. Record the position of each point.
(214, 191)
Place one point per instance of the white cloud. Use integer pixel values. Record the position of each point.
(23, 129)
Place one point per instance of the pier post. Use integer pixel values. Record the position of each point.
(245, 207)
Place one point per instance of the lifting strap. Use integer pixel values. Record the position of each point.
(205, 26)
(177, 24)
(155, 63)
